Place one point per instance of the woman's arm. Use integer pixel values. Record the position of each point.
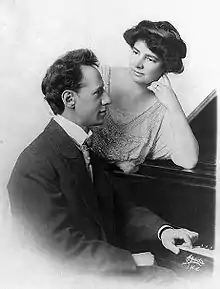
(184, 147)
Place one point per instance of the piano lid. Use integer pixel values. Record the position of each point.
(203, 121)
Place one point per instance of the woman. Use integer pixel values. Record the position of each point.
(145, 118)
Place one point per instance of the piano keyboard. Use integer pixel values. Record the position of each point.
(199, 251)
(189, 261)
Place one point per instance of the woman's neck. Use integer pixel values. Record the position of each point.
(131, 96)
(138, 89)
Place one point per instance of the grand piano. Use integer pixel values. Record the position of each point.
(182, 197)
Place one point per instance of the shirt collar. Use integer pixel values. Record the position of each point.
(72, 129)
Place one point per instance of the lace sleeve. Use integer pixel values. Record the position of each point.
(163, 143)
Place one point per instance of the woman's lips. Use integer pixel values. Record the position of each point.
(138, 73)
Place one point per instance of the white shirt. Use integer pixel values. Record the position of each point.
(72, 129)
(79, 135)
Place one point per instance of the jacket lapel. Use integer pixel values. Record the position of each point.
(76, 163)
(61, 140)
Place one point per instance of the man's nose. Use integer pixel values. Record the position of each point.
(105, 98)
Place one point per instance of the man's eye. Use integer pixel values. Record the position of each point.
(135, 52)
(100, 92)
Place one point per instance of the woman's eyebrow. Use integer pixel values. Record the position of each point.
(136, 49)
(147, 54)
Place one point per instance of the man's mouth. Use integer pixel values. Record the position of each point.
(103, 111)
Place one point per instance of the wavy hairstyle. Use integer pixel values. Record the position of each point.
(65, 73)
(163, 39)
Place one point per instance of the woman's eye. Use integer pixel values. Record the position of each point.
(135, 52)
(151, 59)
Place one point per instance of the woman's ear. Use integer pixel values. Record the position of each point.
(69, 98)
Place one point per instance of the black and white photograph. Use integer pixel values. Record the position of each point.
(109, 144)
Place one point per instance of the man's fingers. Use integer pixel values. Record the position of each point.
(189, 232)
(169, 236)
(170, 246)
(188, 236)
(193, 235)
(187, 241)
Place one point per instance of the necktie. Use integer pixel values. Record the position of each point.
(86, 153)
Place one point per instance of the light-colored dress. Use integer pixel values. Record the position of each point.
(127, 138)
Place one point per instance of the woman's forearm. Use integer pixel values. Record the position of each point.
(185, 146)
(183, 143)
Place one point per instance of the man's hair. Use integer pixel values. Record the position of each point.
(163, 39)
(65, 73)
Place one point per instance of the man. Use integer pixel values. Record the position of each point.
(59, 196)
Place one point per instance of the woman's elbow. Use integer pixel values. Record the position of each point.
(190, 164)
(187, 162)
(189, 159)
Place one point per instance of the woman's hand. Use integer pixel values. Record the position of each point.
(164, 92)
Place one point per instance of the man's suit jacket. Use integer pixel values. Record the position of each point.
(52, 194)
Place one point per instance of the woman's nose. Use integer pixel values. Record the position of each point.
(139, 63)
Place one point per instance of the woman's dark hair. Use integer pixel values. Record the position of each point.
(65, 73)
(163, 39)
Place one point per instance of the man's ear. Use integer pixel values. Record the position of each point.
(69, 98)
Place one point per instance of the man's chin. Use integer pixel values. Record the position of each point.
(98, 122)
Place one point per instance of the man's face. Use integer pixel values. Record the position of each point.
(91, 101)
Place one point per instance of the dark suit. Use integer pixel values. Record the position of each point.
(51, 191)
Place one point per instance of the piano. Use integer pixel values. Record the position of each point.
(183, 197)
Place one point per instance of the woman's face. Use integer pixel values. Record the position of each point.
(145, 66)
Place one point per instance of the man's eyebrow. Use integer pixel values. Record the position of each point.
(99, 89)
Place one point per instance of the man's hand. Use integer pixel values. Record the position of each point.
(169, 236)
